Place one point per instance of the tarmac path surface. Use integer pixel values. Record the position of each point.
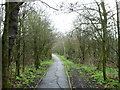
(55, 76)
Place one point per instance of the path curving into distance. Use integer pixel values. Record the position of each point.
(55, 76)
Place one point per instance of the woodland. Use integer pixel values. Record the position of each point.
(91, 48)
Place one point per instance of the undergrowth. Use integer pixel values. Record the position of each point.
(30, 77)
(94, 74)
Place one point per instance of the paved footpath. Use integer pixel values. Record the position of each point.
(55, 76)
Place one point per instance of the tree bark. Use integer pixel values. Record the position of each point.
(9, 34)
(36, 53)
(5, 47)
(18, 57)
(13, 26)
(104, 26)
(23, 54)
(118, 40)
(18, 51)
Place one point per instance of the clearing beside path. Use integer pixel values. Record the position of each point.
(55, 76)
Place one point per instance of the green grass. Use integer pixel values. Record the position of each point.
(94, 74)
(27, 79)
(68, 63)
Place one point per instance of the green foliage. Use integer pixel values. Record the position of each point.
(30, 73)
(39, 72)
(24, 83)
(80, 71)
(27, 78)
(18, 78)
(96, 75)
(10, 83)
(32, 87)
(47, 62)
(112, 73)
(89, 69)
(31, 81)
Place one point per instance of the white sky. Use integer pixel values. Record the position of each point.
(64, 22)
(61, 21)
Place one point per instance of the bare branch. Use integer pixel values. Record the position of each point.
(48, 5)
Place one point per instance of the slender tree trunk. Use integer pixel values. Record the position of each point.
(5, 47)
(104, 26)
(23, 54)
(118, 39)
(18, 51)
(83, 56)
(36, 53)
(49, 55)
(23, 40)
(18, 57)
(104, 61)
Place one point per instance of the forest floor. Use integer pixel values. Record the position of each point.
(77, 80)
(31, 77)
(78, 76)
(55, 76)
(81, 76)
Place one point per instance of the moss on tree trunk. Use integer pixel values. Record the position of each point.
(5, 47)
(104, 27)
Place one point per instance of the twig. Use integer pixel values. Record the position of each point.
(48, 5)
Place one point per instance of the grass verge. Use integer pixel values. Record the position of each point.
(95, 77)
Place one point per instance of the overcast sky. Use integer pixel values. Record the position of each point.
(64, 22)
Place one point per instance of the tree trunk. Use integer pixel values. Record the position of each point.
(118, 18)
(23, 41)
(83, 56)
(5, 47)
(13, 25)
(36, 53)
(50, 54)
(104, 61)
(104, 26)
(18, 53)
(23, 54)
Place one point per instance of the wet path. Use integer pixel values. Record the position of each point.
(55, 76)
